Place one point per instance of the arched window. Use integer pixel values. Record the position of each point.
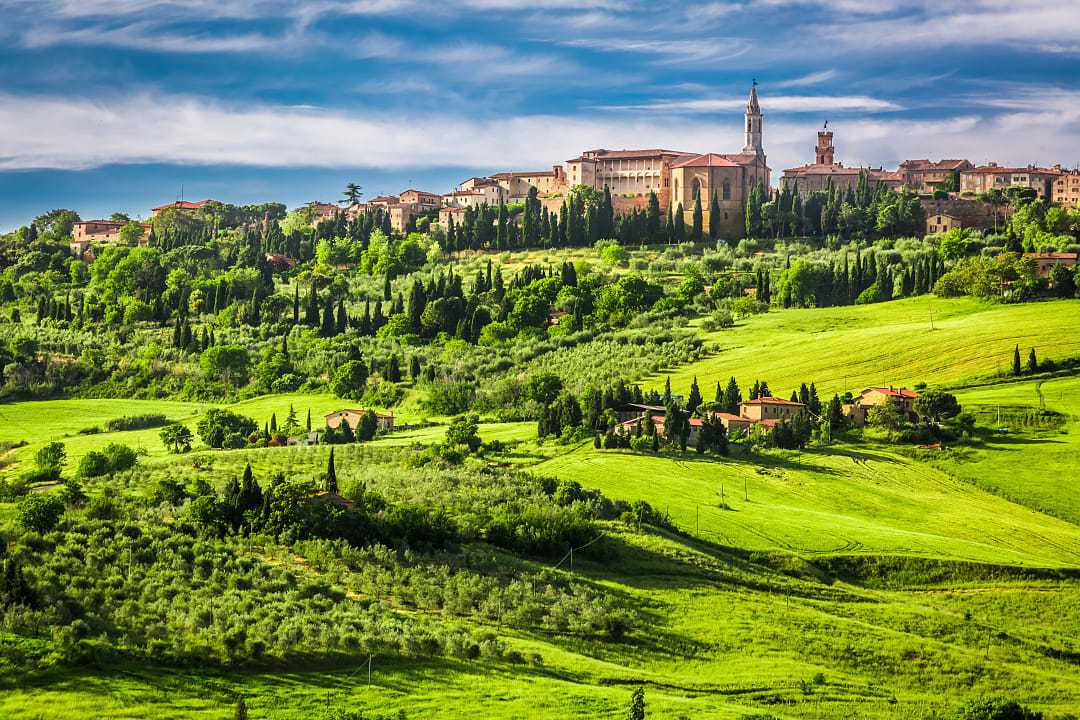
(676, 188)
(695, 189)
(727, 190)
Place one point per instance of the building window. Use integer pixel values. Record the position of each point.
(695, 191)
(727, 190)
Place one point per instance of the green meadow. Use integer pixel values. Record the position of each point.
(922, 339)
(861, 580)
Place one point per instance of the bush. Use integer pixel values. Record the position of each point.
(220, 428)
(40, 512)
(996, 709)
(114, 457)
(136, 422)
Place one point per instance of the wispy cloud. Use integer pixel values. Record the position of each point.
(778, 103)
(806, 80)
(670, 51)
(69, 133)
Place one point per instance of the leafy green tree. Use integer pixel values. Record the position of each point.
(51, 458)
(350, 380)
(935, 406)
(1063, 281)
(543, 388)
(996, 709)
(177, 437)
(352, 193)
(223, 428)
(367, 426)
(40, 512)
(464, 432)
(227, 362)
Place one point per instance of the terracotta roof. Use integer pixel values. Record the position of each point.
(928, 165)
(823, 169)
(110, 223)
(541, 173)
(706, 160)
(1052, 256)
(182, 205)
(628, 154)
(418, 192)
(732, 418)
(996, 170)
(902, 392)
(770, 401)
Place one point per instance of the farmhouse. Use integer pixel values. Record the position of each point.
(1045, 262)
(351, 417)
(770, 408)
(873, 397)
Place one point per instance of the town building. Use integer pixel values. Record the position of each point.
(86, 233)
(872, 397)
(385, 422)
(518, 184)
(770, 408)
(184, 205)
(1045, 262)
(944, 215)
(489, 190)
(1066, 189)
(321, 211)
(825, 171)
(626, 172)
(994, 177)
(424, 201)
(924, 176)
(445, 213)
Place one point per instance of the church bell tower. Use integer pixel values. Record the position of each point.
(753, 145)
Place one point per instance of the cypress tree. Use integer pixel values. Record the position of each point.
(693, 400)
(1016, 366)
(696, 228)
(1032, 362)
(714, 219)
(296, 304)
(331, 473)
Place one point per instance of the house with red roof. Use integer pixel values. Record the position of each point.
(873, 397)
(184, 205)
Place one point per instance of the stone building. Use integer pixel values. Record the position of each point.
(994, 177)
(184, 205)
(816, 176)
(626, 172)
(924, 176)
(944, 215)
(518, 184)
(423, 201)
(1066, 189)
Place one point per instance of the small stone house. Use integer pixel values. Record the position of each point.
(875, 396)
(352, 418)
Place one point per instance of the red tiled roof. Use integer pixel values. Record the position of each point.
(902, 392)
(996, 170)
(928, 165)
(629, 154)
(706, 160)
(733, 418)
(823, 169)
(110, 223)
(1052, 256)
(541, 173)
(770, 401)
(182, 205)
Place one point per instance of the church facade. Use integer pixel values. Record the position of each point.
(726, 177)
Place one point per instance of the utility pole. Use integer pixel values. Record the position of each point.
(745, 497)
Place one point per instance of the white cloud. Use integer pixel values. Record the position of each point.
(53, 132)
(806, 80)
(776, 103)
(669, 51)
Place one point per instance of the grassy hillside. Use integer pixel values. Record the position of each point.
(849, 348)
(1035, 464)
(825, 502)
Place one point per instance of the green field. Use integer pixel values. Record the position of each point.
(853, 581)
(1035, 466)
(824, 502)
(850, 348)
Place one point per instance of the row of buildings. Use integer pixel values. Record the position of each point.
(1057, 184)
(679, 177)
(765, 413)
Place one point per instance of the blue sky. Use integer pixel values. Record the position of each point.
(112, 105)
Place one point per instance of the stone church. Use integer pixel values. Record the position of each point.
(728, 178)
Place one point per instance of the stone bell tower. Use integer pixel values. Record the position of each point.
(825, 152)
(753, 145)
